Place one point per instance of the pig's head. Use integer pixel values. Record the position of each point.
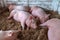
(11, 7)
(33, 23)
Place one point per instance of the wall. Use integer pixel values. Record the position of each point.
(48, 4)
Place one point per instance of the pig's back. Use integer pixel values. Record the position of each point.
(54, 22)
(41, 11)
(21, 15)
(38, 12)
(54, 34)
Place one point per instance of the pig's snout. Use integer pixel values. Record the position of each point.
(34, 25)
(10, 34)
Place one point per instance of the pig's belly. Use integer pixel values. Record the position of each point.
(15, 17)
(54, 34)
(20, 17)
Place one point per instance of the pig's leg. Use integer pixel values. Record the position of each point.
(11, 15)
(27, 28)
(23, 25)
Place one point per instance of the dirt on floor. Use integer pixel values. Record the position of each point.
(38, 34)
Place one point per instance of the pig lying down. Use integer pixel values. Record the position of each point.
(54, 28)
(9, 35)
(23, 17)
(39, 13)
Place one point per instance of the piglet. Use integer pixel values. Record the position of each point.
(39, 13)
(23, 17)
(9, 35)
(53, 28)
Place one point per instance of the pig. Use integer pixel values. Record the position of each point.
(53, 26)
(9, 35)
(39, 13)
(24, 18)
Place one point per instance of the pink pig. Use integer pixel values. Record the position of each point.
(9, 35)
(39, 13)
(23, 17)
(54, 28)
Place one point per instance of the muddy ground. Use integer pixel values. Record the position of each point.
(38, 34)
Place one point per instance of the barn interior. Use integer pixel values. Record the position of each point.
(49, 6)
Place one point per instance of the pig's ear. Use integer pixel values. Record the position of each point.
(47, 15)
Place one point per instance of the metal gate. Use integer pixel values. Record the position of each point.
(48, 4)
